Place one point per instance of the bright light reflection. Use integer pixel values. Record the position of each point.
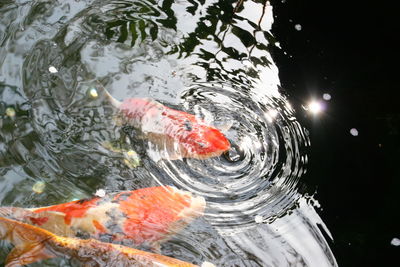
(395, 242)
(327, 97)
(354, 132)
(10, 112)
(207, 264)
(258, 219)
(100, 193)
(93, 93)
(39, 187)
(315, 107)
(271, 115)
(52, 69)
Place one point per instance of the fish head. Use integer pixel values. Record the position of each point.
(204, 141)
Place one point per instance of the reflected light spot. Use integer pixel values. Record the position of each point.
(297, 27)
(315, 107)
(100, 193)
(354, 132)
(93, 93)
(395, 242)
(273, 113)
(38, 187)
(327, 97)
(10, 112)
(53, 69)
(207, 264)
(258, 219)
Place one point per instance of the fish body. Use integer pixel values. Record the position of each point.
(32, 244)
(144, 217)
(181, 134)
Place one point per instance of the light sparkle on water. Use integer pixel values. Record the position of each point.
(272, 114)
(100, 193)
(93, 93)
(10, 112)
(395, 242)
(38, 187)
(207, 264)
(327, 97)
(314, 107)
(258, 219)
(354, 132)
(52, 69)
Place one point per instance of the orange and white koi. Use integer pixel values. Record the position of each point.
(32, 244)
(180, 134)
(143, 217)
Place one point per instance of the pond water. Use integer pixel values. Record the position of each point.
(207, 58)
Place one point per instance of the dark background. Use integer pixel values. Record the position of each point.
(349, 51)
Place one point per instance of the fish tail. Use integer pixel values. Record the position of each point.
(14, 213)
(6, 211)
(109, 98)
(30, 242)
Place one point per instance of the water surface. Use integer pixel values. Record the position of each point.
(208, 58)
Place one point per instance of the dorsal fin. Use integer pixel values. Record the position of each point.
(26, 253)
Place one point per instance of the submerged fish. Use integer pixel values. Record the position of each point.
(179, 133)
(143, 217)
(33, 244)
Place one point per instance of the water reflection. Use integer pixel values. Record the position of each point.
(207, 58)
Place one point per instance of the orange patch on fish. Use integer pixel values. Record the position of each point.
(99, 226)
(74, 209)
(145, 216)
(194, 137)
(39, 221)
(151, 213)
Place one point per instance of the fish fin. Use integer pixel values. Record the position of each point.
(29, 242)
(109, 98)
(24, 254)
(224, 127)
(9, 211)
(14, 212)
(6, 211)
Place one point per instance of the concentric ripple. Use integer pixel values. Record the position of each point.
(208, 58)
(255, 180)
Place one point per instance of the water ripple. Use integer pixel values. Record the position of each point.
(258, 176)
(207, 58)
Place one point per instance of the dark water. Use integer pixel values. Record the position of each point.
(349, 51)
(208, 58)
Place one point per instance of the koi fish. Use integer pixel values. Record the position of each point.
(32, 244)
(143, 217)
(181, 134)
